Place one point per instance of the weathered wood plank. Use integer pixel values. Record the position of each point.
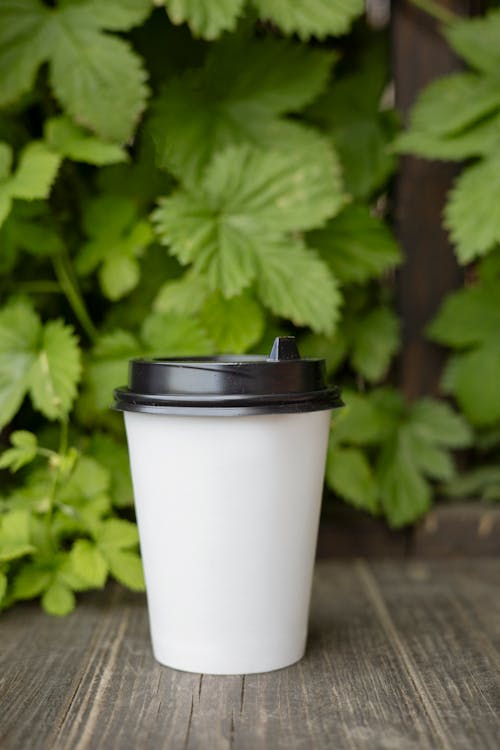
(400, 656)
(449, 530)
(447, 647)
(349, 692)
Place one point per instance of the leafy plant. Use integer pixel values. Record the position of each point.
(457, 118)
(383, 453)
(166, 194)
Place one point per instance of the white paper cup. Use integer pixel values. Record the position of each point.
(227, 506)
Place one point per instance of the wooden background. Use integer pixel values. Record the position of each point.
(428, 274)
(429, 271)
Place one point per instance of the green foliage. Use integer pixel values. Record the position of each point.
(24, 450)
(163, 196)
(239, 96)
(469, 322)
(207, 20)
(356, 245)
(305, 18)
(359, 129)
(457, 117)
(32, 178)
(41, 360)
(310, 17)
(234, 226)
(96, 76)
(383, 452)
(73, 142)
(118, 238)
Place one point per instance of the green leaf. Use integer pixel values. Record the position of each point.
(38, 166)
(473, 379)
(184, 296)
(5, 203)
(350, 114)
(32, 580)
(235, 324)
(489, 268)
(118, 236)
(471, 212)
(118, 15)
(207, 20)
(58, 599)
(74, 142)
(356, 245)
(479, 139)
(107, 367)
(238, 97)
(88, 563)
(105, 90)
(23, 452)
(126, 567)
(89, 480)
(436, 422)
(480, 483)
(467, 317)
(362, 421)
(25, 39)
(166, 334)
(375, 342)
(29, 228)
(451, 103)
(409, 444)
(33, 177)
(113, 456)
(294, 283)
(97, 78)
(476, 40)
(308, 18)
(116, 534)
(432, 461)
(20, 332)
(470, 320)
(15, 537)
(56, 371)
(5, 161)
(247, 197)
(67, 577)
(280, 192)
(349, 474)
(404, 493)
(332, 349)
(3, 586)
(118, 276)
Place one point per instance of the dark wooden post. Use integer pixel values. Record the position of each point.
(430, 270)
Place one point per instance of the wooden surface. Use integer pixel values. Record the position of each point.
(401, 656)
(447, 530)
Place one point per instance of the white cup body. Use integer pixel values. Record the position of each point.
(228, 510)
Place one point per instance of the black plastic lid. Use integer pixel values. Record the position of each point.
(229, 385)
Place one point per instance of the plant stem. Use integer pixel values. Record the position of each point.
(434, 9)
(63, 447)
(63, 440)
(69, 285)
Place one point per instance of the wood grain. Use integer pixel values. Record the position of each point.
(401, 656)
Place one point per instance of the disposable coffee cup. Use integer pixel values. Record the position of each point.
(228, 457)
